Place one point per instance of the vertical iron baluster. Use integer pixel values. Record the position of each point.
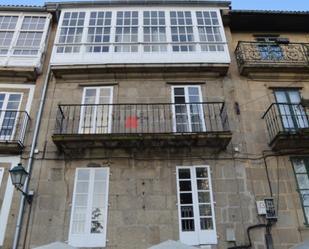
(73, 118)
(209, 117)
(216, 106)
(147, 119)
(102, 129)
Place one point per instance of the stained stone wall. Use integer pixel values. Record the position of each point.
(142, 198)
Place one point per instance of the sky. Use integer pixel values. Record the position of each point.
(302, 5)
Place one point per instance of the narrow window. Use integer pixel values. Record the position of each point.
(89, 208)
(9, 106)
(154, 31)
(99, 31)
(195, 206)
(209, 30)
(30, 37)
(96, 110)
(301, 169)
(188, 109)
(7, 28)
(293, 115)
(182, 31)
(126, 31)
(71, 32)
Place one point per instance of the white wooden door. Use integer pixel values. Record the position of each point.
(195, 206)
(187, 109)
(89, 208)
(96, 110)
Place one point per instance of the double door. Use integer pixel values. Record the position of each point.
(96, 110)
(188, 109)
(292, 114)
(9, 106)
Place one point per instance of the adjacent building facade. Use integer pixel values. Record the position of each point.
(161, 121)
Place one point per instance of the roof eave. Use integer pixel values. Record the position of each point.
(268, 21)
(73, 4)
(22, 8)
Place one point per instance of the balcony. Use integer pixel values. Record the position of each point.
(262, 57)
(288, 126)
(23, 43)
(13, 128)
(140, 40)
(142, 125)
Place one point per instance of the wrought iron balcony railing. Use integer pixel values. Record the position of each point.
(207, 117)
(285, 119)
(263, 54)
(13, 126)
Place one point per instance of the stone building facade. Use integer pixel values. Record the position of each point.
(163, 121)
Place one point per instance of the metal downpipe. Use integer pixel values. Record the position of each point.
(30, 161)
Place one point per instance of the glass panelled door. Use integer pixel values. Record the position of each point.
(196, 210)
(188, 110)
(9, 106)
(89, 208)
(96, 110)
(292, 114)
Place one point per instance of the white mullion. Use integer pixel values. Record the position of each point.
(221, 29)
(73, 206)
(16, 117)
(4, 108)
(106, 204)
(195, 32)
(110, 111)
(211, 199)
(85, 31)
(90, 201)
(95, 109)
(44, 35)
(113, 31)
(1, 177)
(186, 88)
(16, 34)
(201, 109)
(174, 109)
(195, 200)
(60, 27)
(140, 31)
(168, 31)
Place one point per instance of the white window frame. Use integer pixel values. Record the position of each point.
(140, 42)
(127, 44)
(102, 44)
(5, 208)
(3, 111)
(18, 30)
(8, 30)
(197, 237)
(184, 26)
(88, 239)
(188, 107)
(217, 44)
(160, 44)
(1, 175)
(110, 111)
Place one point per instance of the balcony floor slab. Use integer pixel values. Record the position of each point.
(290, 141)
(11, 147)
(217, 140)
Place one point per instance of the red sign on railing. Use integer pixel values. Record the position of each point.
(131, 122)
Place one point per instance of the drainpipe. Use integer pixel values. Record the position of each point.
(30, 161)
